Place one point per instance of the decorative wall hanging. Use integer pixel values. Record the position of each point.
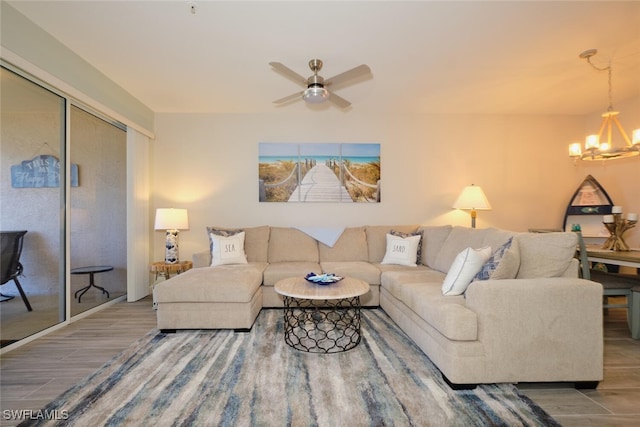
(586, 208)
(42, 171)
(319, 172)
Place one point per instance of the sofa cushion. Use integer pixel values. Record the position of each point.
(447, 314)
(290, 244)
(396, 267)
(458, 239)
(545, 254)
(433, 237)
(256, 241)
(464, 268)
(377, 239)
(402, 250)
(358, 269)
(393, 281)
(351, 246)
(495, 237)
(281, 270)
(227, 249)
(225, 283)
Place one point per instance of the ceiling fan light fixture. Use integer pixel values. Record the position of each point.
(315, 95)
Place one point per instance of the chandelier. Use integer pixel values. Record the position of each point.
(597, 149)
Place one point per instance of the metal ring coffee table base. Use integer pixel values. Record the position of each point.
(322, 326)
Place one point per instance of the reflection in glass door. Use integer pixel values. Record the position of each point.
(32, 186)
(98, 225)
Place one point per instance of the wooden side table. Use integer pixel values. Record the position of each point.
(162, 269)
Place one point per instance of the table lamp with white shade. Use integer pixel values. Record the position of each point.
(171, 220)
(472, 198)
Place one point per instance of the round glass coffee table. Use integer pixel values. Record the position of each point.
(322, 318)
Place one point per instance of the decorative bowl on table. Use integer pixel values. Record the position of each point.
(323, 279)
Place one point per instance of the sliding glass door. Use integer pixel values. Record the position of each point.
(82, 228)
(98, 211)
(32, 197)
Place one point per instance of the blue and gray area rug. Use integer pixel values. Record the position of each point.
(222, 378)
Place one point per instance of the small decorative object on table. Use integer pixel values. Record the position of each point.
(617, 225)
(322, 279)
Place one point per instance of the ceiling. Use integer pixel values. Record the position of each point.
(476, 57)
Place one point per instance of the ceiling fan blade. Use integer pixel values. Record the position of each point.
(353, 73)
(294, 97)
(338, 100)
(288, 73)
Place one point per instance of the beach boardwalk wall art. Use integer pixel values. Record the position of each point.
(319, 172)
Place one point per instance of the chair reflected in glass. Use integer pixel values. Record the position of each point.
(10, 266)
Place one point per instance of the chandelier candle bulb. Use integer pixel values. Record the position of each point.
(616, 209)
(632, 217)
(575, 150)
(592, 142)
(607, 219)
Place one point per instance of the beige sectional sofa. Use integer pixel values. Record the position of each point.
(532, 320)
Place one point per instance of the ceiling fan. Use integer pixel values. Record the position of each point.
(316, 91)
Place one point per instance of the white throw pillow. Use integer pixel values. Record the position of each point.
(402, 250)
(465, 266)
(227, 249)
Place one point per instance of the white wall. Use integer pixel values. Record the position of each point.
(30, 48)
(207, 163)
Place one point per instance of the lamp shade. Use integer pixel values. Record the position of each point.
(171, 219)
(472, 197)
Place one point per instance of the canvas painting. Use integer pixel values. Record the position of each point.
(319, 172)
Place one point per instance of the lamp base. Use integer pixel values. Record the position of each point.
(474, 214)
(171, 247)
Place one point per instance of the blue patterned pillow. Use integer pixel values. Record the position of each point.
(492, 263)
(224, 232)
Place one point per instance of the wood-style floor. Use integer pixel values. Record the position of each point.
(34, 374)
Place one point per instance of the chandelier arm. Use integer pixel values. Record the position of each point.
(622, 132)
(602, 125)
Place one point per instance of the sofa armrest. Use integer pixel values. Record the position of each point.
(549, 329)
(202, 259)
